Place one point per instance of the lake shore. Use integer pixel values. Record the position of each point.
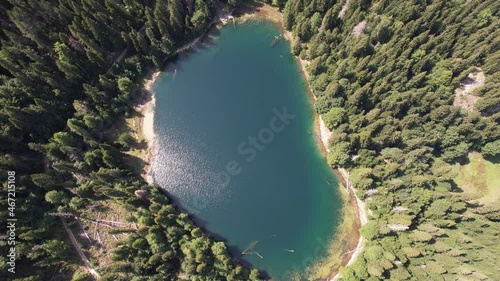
(355, 243)
(352, 242)
(148, 103)
(147, 110)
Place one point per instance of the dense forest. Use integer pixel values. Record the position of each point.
(68, 70)
(384, 73)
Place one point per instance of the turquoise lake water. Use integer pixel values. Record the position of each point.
(235, 148)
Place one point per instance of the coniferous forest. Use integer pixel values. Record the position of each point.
(384, 73)
(68, 70)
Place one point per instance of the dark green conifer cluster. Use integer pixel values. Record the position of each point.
(385, 73)
(69, 69)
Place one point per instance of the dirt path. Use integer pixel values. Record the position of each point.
(344, 9)
(79, 250)
(359, 28)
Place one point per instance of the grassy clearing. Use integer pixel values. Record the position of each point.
(259, 11)
(342, 244)
(138, 155)
(480, 176)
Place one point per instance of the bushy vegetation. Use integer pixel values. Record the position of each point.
(69, 70)
(384, 73)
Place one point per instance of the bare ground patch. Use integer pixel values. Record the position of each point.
(259, 12)
(359, 28)
(107, 225)
(463, 93)
(344, 9)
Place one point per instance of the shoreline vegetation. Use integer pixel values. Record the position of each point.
(347, 243)
(147, 111)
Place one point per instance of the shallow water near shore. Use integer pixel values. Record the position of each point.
(235, 147)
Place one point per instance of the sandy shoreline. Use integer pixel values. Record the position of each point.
(147, 111)
(324, 135)
(359, 205)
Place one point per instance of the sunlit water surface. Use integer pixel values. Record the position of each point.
(278, 191)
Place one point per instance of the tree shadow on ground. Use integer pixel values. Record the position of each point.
(492, 159)
(135, 163)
